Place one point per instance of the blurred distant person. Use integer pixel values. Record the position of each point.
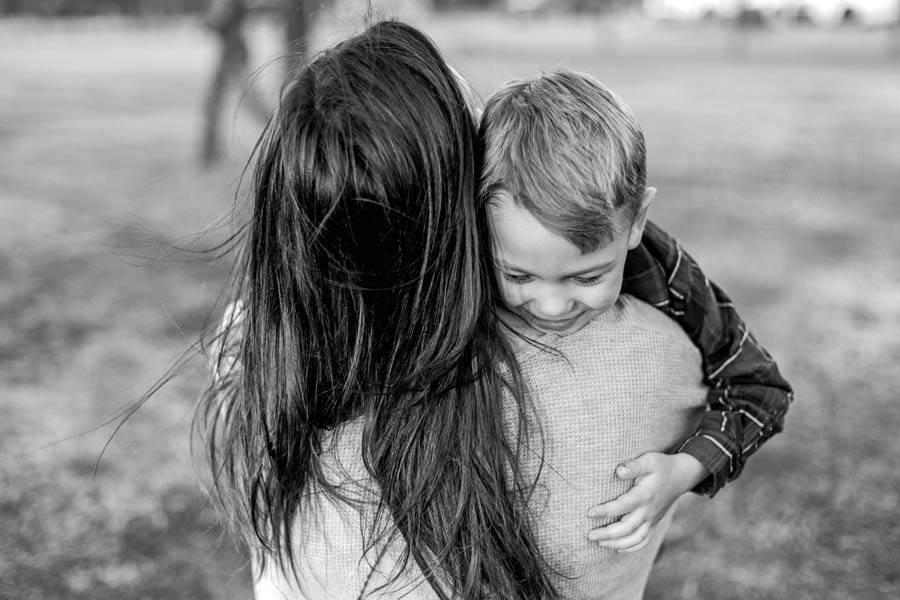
(225, 18)
(747, 20)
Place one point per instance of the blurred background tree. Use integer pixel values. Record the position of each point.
(226, 18)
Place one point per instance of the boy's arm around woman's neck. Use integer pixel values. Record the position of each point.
(748, 396)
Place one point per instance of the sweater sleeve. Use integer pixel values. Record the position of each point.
(748, 396)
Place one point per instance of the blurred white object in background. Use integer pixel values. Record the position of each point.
(525, 6)
(825, 13)
(868, 13)
(687, 10)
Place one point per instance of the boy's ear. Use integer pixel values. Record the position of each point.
(640, 219)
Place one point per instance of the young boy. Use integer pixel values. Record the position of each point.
(564, 182)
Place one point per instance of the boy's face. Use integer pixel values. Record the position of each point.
(545, 279)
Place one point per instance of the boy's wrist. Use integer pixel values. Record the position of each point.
(690, 471)
(719, 465)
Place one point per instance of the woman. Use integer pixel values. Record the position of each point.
(369, 428)
(364, 304)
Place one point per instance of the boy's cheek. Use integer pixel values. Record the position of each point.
(511, 297)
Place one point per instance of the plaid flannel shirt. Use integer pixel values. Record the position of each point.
(748, 397)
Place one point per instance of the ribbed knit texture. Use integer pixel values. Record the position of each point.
(626, 384)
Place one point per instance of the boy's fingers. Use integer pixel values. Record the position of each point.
(616, 531)
(622, 505)
(629, 541)
(637, 547)
(642, 465)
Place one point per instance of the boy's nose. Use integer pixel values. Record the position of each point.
(552, 307)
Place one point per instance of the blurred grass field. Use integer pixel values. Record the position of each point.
(776, 158)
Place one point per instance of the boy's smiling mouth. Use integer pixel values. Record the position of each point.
(553, 325)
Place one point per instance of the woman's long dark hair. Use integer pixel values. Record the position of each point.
(364, 296)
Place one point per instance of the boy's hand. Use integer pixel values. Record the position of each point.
(660, 479)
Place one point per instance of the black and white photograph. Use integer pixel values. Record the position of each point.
(449, 299)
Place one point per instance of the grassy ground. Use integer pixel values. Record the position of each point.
(775, 158)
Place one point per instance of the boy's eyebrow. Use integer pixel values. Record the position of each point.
(602, 268)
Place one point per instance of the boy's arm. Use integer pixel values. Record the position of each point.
(748, 397)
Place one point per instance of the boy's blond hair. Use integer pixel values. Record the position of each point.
(569, 151)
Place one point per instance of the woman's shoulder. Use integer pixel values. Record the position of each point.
(630, 337)
(629, 322)
(632, 315)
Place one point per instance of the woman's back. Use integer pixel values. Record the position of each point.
(626, 384)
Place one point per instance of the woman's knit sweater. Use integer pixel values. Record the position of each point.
(627, 383)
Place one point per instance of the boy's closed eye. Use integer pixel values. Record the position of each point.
(578, 280)
(516, 278)
(588, 281)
